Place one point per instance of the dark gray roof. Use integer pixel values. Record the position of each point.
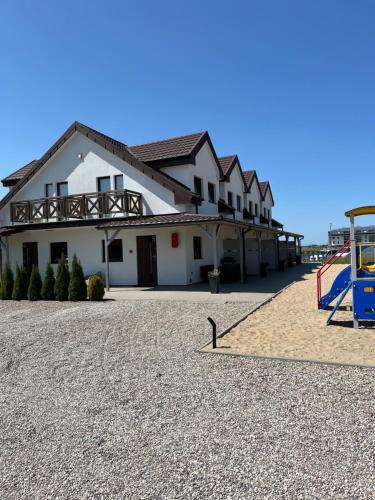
(166, 219)
(167, 148)
(13, 178)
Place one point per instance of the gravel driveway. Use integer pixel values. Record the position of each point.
(112, 401)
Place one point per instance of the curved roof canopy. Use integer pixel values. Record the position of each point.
(354, 212)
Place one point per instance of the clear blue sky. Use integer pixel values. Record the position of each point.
(287, 85)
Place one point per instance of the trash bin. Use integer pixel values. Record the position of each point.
(264, 269)
(281, 265)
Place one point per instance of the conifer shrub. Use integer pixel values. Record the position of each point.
(21, 284)
(35, 284)
(62, 280)
(48, 286)
(6, 288)
(95, 288)
(77, 284)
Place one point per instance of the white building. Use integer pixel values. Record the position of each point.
(141, 215)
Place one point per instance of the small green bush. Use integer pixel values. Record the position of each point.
(48, 287)
(35, 284)
(77, 284)
(62, 280)
(6, 289)
(95, 288)
(21, 284)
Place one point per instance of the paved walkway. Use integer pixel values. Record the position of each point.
(256, 290)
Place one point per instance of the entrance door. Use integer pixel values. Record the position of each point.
(146, 256)
(30, 255)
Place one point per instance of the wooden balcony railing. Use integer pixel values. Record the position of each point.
(77, 206)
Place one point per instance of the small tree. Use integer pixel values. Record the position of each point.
(6, 289)
(77, 284)
(95, 288)
(35, 284)
(48, 286)
(21, 284)
(62, 280)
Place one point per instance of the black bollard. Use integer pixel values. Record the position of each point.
(213, 332)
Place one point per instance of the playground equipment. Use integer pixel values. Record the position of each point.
(358, 276)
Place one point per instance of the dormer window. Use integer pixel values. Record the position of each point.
(238, 203)
(198, 186)
(230, 198)
(211, 193)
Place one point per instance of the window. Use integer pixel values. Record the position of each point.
(251, 207)
(211, 193)
(104, 184)
(265, 212)
(57, 249)
(238, 203)
(268, 214)
(198, 185)
(114, 251)
(62, 189)
(230, 198)
(48, 190)
(119, 182)
(256, 209)
(197, 244)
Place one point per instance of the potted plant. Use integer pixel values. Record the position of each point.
(214, 280)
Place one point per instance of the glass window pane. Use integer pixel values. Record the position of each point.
(198, 185)
(57, 249)
(62, 189)
(104, 184)
(115, 253)
(119, 182)
(48, 190)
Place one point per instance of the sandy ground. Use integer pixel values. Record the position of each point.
(290, 326)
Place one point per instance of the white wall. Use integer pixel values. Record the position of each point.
(267, 203)
(206, 169)
(237, 187)
(82, 174)
(176, 266)
(255, 196)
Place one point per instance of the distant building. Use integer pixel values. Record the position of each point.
(337, 237)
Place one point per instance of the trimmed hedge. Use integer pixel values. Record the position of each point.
(48, 287)
(95, 288)
(62, 280)
(21, 284)
(77, 285)
(6, 289)
(35, 284)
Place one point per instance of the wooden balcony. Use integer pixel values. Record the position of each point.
(77, 206)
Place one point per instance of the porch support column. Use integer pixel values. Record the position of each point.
(215, 234)
(107, 241)
(295, 246)
(241, 237)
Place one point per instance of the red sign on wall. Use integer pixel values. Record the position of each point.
(174, 240)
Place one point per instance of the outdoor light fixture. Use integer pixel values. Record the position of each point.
(80, 156)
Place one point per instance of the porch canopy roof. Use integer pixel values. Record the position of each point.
(291, 235)
(177, 219)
